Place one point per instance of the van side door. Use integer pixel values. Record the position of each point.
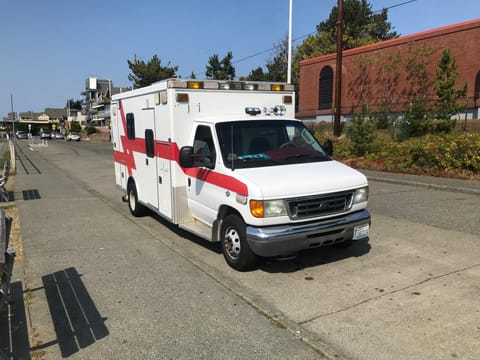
(203, 195)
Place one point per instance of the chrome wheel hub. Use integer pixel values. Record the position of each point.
(232, 243)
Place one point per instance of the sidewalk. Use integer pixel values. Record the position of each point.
(431, 182)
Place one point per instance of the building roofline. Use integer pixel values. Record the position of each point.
(467, 25)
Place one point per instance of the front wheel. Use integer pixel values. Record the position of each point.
(135, 207)
(235, 247)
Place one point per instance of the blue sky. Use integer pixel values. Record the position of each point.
(48, 48)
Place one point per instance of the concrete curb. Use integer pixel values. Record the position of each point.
(429, 182)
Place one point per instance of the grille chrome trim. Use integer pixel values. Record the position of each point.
(319, 205)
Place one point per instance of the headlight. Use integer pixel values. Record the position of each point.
(267, 208)
(361, 195)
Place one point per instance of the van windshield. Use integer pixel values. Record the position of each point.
(257, 143)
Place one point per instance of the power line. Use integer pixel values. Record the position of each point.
(304, 36)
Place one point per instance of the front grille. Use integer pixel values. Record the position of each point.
(311, 206)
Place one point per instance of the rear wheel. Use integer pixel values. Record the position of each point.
(135, 207)
(235, 247)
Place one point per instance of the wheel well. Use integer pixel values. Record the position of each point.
(223, 212)
(130, 182)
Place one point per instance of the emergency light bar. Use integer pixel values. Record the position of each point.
(228, 85)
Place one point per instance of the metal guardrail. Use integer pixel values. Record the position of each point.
(7, 257)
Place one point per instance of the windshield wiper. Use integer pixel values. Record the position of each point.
(298, 156)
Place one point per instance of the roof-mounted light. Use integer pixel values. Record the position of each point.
(213, 85)
(195, 85)
(252, 111)
(175, 83)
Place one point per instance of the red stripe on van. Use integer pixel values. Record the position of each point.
(170, 151)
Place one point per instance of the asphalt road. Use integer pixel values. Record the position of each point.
(157, 292)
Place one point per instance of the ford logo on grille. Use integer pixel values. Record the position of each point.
(323, 206)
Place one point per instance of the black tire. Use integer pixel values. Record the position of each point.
(235, 247)
(136, 209)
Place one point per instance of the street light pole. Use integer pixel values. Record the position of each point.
(13, 115)
(289, 71)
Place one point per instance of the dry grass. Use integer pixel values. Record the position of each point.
(15, 237)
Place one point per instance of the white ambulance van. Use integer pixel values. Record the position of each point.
(227, 161)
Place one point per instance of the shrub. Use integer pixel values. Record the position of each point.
(90, 130)
(362, 132)
(435, 153)
(342, 148)
(75, 126)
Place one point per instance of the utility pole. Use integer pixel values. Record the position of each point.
(13, 115)
(289, 66)
(338, 72)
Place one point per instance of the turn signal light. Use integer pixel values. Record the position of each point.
(256, 208)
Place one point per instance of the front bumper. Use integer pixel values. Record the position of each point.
(289, 239)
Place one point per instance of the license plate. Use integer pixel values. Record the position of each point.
(361, 231)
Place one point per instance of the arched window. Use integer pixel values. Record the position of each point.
(325, 88)
(476, 94)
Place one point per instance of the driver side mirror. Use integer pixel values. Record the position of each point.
(186, 157)
(328, 147)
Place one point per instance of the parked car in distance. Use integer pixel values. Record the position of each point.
(59, 136)
(22, 135)
(45, 135)
(75, 136)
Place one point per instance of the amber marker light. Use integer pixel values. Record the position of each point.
(194, 85)
(256, 208)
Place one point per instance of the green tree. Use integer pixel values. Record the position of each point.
(278, 66)
(362, 132)
(75, 126)
(361, 27)
(143, 74)
(74, 104)
(418, 63)
(217, 69)
(448, 95)
(257, 75)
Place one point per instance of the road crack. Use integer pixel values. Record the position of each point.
(384, 294)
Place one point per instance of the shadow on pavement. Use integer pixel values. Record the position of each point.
(315, 257)
(14, 343)
(76, 320)
(304, 259)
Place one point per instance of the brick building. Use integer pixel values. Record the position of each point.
(370, 76)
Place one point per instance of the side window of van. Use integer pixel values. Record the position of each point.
(203, 148)
(130, 126)
(149, 143)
